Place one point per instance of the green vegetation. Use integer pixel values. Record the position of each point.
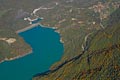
(100, 62)
(75, 20)
(9, 51)
(12, 19)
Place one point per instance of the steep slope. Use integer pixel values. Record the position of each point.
(79, 23)
(100, 61)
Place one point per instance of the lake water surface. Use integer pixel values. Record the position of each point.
(47, 50)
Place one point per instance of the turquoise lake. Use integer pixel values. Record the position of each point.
(47, 50)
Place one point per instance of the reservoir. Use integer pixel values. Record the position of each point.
(47, 50)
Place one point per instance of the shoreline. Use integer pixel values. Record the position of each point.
(16, 57)
(33, 26)
(28, 28)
